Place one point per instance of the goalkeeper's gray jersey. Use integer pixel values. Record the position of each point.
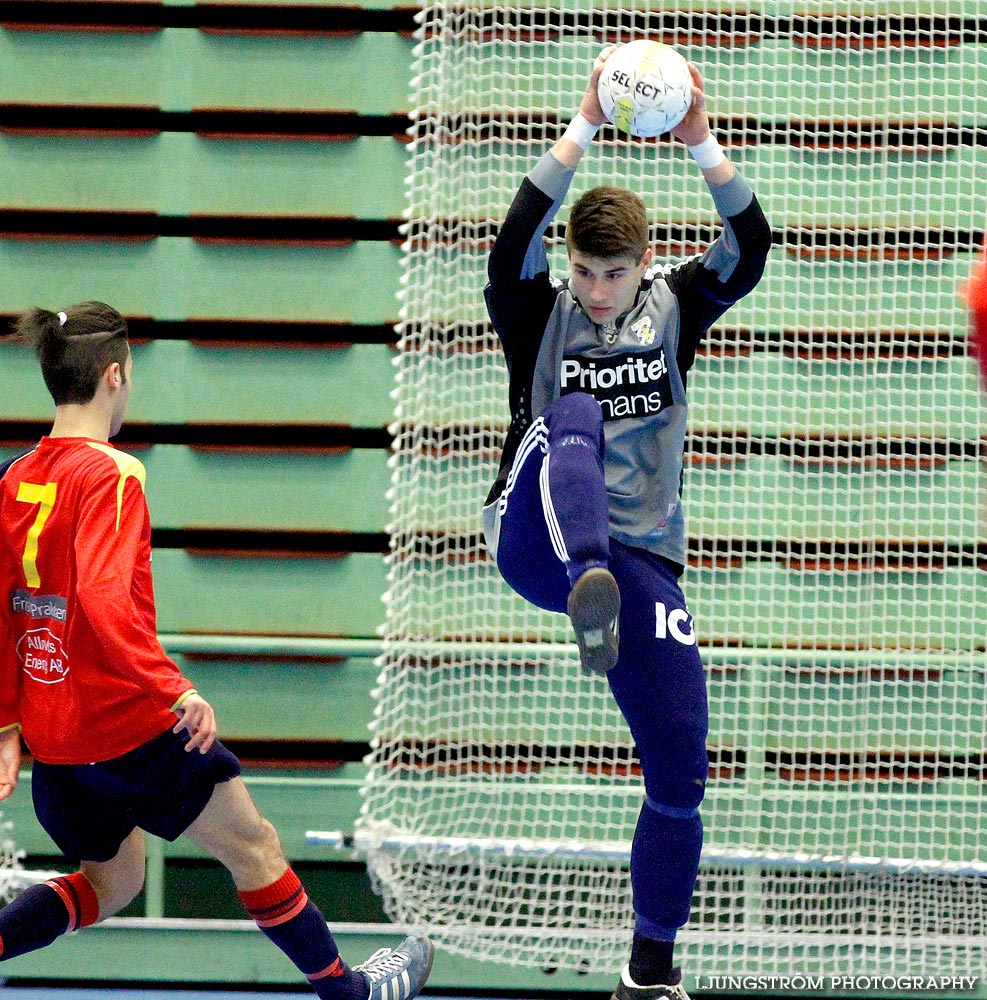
(637, 372)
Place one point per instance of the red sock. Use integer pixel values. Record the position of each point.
(79, 897)
(295, 924)
(44, 912)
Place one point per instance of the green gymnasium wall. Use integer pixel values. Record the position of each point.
(235, 191)
(231, 178)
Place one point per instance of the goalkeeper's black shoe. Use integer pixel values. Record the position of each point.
(627, 989)
(594, 604)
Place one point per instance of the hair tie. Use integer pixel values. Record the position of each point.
(62, 318)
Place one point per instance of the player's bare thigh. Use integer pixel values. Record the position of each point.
(116, 882)
(231, 829)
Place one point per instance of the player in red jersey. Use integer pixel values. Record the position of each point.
(121, 741)
(975, 292)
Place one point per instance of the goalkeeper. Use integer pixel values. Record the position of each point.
(121, 741)
(585, 514)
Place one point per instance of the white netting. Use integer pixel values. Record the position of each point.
(831, 492)
(13, 878)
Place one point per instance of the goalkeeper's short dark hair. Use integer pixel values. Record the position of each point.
(75, 346)
(608, 222)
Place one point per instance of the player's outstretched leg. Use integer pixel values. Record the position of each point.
(232, 830)
(398, 973)
(594, 606)
(627, 989)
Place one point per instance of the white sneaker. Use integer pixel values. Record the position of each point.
(627, 989)
(398, 973)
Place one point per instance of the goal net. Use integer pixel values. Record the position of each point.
(831, 490)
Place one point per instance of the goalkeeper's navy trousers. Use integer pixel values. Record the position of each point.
(551, 525)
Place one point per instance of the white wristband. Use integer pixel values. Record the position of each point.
(581, 131)
(709, 153)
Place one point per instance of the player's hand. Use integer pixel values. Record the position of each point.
(589, 107)
(694, 128)
(10, 761)
(195, 715)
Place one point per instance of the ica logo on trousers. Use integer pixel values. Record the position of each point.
(670, 623)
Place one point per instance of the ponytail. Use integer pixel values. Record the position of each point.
(75, 347)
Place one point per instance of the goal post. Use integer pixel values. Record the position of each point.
(832, 492)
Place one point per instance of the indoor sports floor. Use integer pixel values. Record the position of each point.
(16, 992)
(87, 993)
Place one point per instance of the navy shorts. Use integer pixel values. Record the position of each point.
(90, 809)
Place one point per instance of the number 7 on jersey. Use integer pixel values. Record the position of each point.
(44, 496)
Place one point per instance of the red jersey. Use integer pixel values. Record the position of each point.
(976, 297)
(81, 668)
